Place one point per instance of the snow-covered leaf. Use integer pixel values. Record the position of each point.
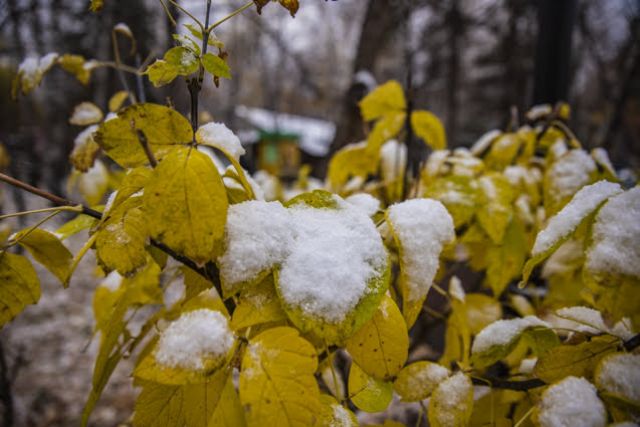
(417, 381)
(451, 403)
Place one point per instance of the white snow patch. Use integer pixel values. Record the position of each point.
(341, 417)
(334, 254)
(527, 365)
(393, 160)
(112, 281)
(452, 395)
(422, 227)
(85, 113)
(502, 332)
(365, 202)
(619, 374)
(257, 237)
(570, 172)
(586, 319)
(483, 143)
(616, 236)
(435, 162)
(572, 402)
(192, 338)
(326, 256)
(455, 289)
(566, 221)
(218, 135)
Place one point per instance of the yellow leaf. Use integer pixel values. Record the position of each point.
(496, 211)
(482, 310)
(185, 204)
(351, 160)
(336, 415)
(74, 226)
(505, 260)
(182, 59)
(19, 286)
(503, 151)
(385, 129)
(163, 128)
(117, 99)
(574, 360)
(121, 237)
(381, 346)
(428, 127)
(291, 5)
(86, 113)
(417, 381)
(161, 73)
(229, 411)
(85, 150)
(368, 393)
(48, 250)
(185, 405)
(384, 99)
(451, 404)
(75, 64)
(277, 383)
(258, 304)
(458, 194)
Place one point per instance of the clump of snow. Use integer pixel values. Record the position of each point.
(455, 289)
(268, 183)
(86, 136)
(422, 227)
(435, 162)
(85, 113)
(601, 157)
(326, 256)
(619, 374)
(502, 332)
(481, 145)
(192, 338)
(31, 70)
(257, 237)
(341, 417)
(566, 221)
(333, 256)
(572, 402)
(365, 202)
(527, 365)
(616, 236)
(427, 378)
(112, 281)
(586, 319)
(218, 135)
(570, 173)
(393, 160)
(452, 397)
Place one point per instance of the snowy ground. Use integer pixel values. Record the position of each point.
(47, 351)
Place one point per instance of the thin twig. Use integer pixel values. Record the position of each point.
(226, 18)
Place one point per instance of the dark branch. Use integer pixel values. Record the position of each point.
(209, 271)
(523, 385)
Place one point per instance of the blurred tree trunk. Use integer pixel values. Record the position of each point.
(379, 25)
(455, 24)
(553, 52)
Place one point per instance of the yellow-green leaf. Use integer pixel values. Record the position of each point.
(482, 310)
(503, 151)
(48, 250)
(75, 64)
(277, 383)
(162, 405)
(86, 113)
(386, 98)
(163, 128)
(19, 286)
(385, 129)
(216, 66)
(74, 226)
(258, 304)
(229, 411)
(336, 415)
(451, 404)
(495, 212)
(185, 204)
(428, 127)
(85, 149)
(416, 381)
(117, 99)
(182, 59)
(161, 73)
(368, 393)
(121, 237)
(381, 346)
(458, 194)
(505, 260)
(574, 360)
(351, 160)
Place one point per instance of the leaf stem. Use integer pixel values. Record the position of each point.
(35, 211)
(147, 149)
(231, 15)
(30, 230)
